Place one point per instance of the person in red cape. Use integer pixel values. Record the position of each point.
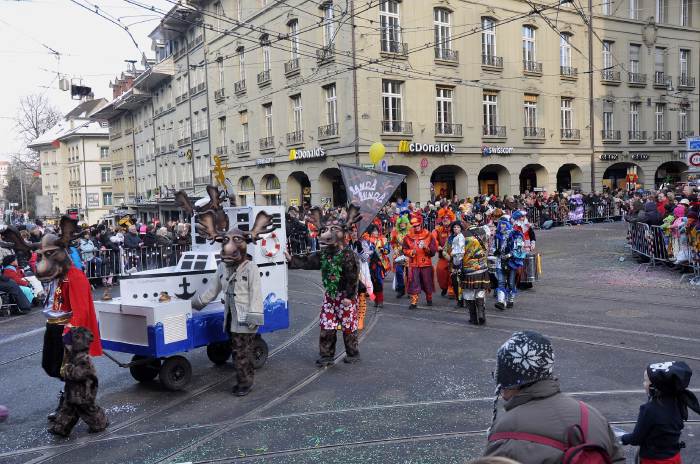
(445, 217)
(68, 304)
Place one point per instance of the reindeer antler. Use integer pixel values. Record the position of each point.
(69, 231)
(183, 201)
(262, 225)
(354, 215)
(12, 237)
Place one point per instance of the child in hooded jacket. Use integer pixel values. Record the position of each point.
(660, 422)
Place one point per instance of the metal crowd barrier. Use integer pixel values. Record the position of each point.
(122, 261)
(666, 245)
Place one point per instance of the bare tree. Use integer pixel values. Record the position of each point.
(35, 116)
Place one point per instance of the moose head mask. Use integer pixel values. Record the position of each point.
(53, 259)
(332, 230)
(213, 224)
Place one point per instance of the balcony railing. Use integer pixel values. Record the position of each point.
(445, 54)
(239, 87)
(291, 67)
(608, 75)
(201, 134)
(179, 53)
(171, 147)
(492, 61)
(494, 131)
(397, 127)
(683, 135)
(325, 54)
(662, 80)
(662, 136)
(264, 77)
(395, 47)
(198, 40)
(533, 67)
(115, 135)
(219, 95)
(181, 98)
(267, 143)
(610, 135)
(533, 132)
(201, 86)
(182, 142)
(295, 138)
(448, 129)
(242, 147)
(568, 71)
(222, 151)
(570, 134)
(637, 136)
(636, 79)
(686, 81)
(328, 131)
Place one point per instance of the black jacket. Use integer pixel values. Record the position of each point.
(658, 429)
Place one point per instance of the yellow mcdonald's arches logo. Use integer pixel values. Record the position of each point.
(404, 146)
(292, 154)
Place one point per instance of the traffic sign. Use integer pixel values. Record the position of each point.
(694, 159)
(692, 143)
(383, 165)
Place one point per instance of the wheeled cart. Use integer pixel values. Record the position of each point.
(157, 330)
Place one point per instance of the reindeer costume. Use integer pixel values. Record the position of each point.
(339, 273)
(69, 299)
(238, 278)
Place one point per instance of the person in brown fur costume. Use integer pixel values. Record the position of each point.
(81, 386)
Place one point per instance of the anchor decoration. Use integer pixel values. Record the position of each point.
(185, 295)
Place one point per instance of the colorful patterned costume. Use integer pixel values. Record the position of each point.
(475, 276)
(441, 233)
(379, 264)
(398, 234)
(420, 246)
(339, 273)
(509, 252)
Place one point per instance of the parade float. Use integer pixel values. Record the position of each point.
(153, 319)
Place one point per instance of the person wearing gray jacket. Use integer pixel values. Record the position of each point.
(534, 429)
(239, 280)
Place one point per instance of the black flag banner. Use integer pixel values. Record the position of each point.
(369, 189)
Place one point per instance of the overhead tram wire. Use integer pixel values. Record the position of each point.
(121, 26)
(368, 61)
(392, 71)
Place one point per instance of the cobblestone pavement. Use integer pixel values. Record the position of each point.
(422, 393)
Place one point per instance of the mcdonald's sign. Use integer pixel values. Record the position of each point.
(440, 148)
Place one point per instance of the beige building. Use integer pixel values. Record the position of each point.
(496, 107)
(74, 157)
(646, 54)
(159, 122)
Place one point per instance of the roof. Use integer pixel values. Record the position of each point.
(84, 109)
(86, 128)
(75, 123)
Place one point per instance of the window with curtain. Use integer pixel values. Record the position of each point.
(530, 111)
(331, 104)
(528, 33)
(328, 25)
(565, 50)
(390, 25)
(443, 31)
(490, 109)
(392, 100)
(443, 101)
(488, 37)
(567, 113)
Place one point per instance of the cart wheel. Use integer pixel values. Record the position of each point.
(175, 373)
(259, 352)
(219, 353)
(144, 371)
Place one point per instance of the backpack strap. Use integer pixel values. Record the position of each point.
(532, 437)
(584, 420)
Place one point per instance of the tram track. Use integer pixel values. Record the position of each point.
(360, 409)
(264, 407)
(63, 450)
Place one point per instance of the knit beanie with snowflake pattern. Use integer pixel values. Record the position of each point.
(526, 357)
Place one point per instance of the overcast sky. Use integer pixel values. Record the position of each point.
(91, 48)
